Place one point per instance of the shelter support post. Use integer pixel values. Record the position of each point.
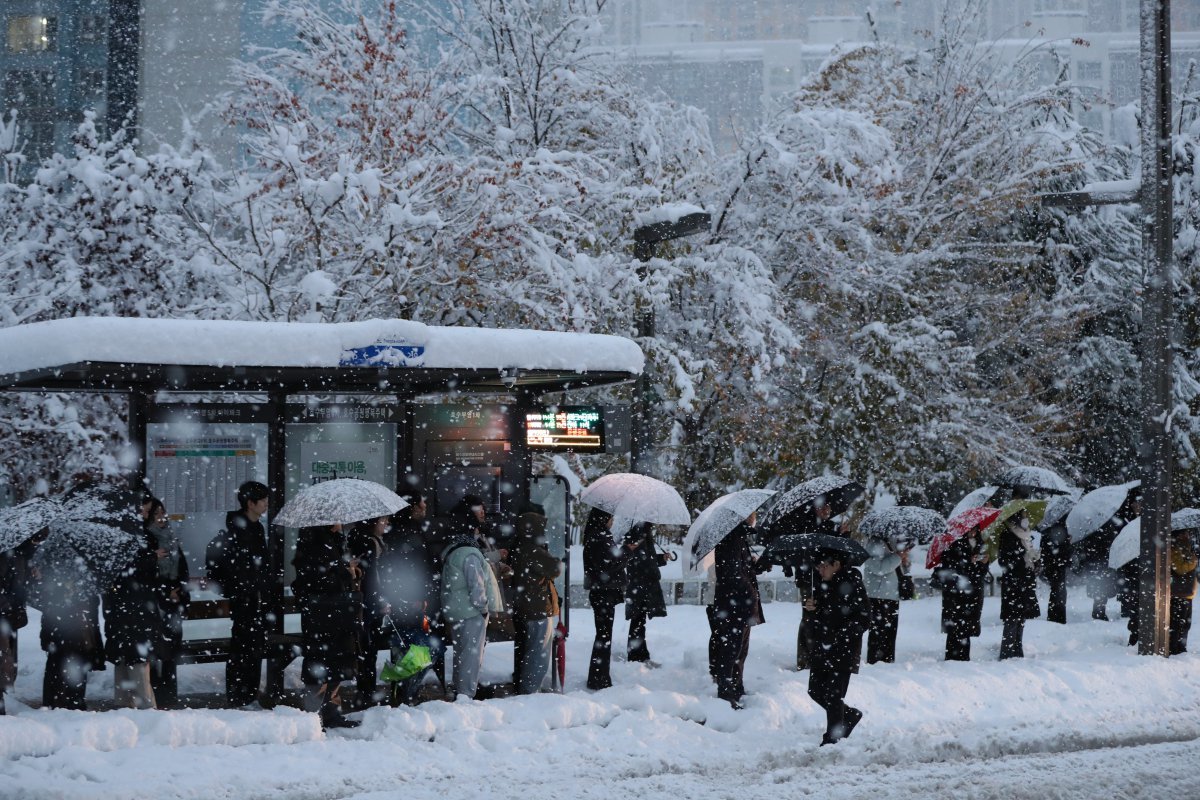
(276, 482)
(1155, 451)
(136, 421)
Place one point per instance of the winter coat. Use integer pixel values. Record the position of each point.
(736, 595)
(1056, 550)
(15, 575)
(70, 612)
(246, 572)
(1092, 552)
(1183, 574)
(879, 572)
(1018, 581)
(643, 571)
(469, 587)
(173, 576)
(962, 582)
(330, 605)
(534, 570)
(604, 563)
(841, 617)
(401, 578)
(133, 626)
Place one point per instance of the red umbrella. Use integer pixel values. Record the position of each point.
(957, 528)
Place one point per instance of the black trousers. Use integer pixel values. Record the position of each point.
(638, 649)
(1181, 623)
(712, 643)
(164, 680)
(803, 642)
(731, 645)
(1011, 641)
(598, 669)
(958, 648)
(64, 684)
(243, 670)
(1056, 607)
(881, 641)
(827, 686)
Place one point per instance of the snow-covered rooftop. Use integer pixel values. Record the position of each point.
(374, 344)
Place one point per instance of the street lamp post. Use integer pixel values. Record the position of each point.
(1154, 450)
(645, 242)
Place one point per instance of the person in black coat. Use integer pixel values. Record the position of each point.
(604, 578)
(329, 585)
(961, 577)
(133, 627)
(839, 615)
(736, 608)
(69, 600)
(1018, 583)
(816, 518)
(240, 565)
(15, 577)
(1056, 560)
(643, 590)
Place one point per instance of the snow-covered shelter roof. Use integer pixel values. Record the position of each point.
(117, 354)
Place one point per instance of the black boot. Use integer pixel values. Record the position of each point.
(853, 716)
(332, 717)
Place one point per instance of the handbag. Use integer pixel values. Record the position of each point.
(331, 613)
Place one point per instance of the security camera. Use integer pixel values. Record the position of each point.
(508, 377)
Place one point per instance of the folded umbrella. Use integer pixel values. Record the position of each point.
(637, 498)
(339, 501)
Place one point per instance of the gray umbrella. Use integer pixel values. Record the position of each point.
(1038, 479)
(95, 553)
(715, 522)
(902, 526)
(1128, 544)
(1058, 508)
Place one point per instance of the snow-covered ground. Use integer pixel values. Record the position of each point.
(1081, 717)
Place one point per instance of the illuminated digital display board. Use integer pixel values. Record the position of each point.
(578, 428)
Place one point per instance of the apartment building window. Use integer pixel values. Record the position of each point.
(1092, 71)
(93, 28)
(91, 84)
(30, 90)
(32, 34)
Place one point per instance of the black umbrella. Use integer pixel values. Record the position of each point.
(806, 549)
(790, 509)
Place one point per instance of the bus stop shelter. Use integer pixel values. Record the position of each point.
(415, 407)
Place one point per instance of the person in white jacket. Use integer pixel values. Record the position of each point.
(883, 592)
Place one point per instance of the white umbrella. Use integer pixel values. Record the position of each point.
(1128, 544)
(341, 500)
(974, 499)
(637, 497)
(1038, 479)
(714, 524)
(1096, 508)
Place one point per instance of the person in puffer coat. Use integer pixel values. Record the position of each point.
(470, 593)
